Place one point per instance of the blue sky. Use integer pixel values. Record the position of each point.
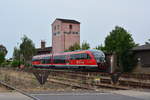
(98, 17)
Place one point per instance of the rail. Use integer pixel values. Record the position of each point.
(18, 90)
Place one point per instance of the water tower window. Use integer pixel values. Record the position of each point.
(70, 26)
(54, 27)
(58, 27)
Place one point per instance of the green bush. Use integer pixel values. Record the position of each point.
(28, 65)
(2, 57)
(5, 64)
(15, 63)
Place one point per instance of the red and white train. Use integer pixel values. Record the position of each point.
(83, 59)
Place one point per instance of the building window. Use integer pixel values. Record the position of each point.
(54, 33)
(55, 28)
(70, 26)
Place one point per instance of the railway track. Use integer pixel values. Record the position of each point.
(126, 81)
(137, 81)
(84, 81)
(76, 79)
(85, 85)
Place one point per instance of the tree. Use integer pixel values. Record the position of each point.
(16, 54)
(3, 52)
(2, 57)
(85, 46)
(148, 42)
(121, 42)
(74, 47)
(100, 47)
(27, 49)
(3, 49)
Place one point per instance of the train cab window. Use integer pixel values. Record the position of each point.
(99, 55)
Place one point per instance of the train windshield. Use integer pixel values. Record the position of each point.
(99, 55)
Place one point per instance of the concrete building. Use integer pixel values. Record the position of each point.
(65, 33)
(142, 55)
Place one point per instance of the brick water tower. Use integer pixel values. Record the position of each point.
(65, 33)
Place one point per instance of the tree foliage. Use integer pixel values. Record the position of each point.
(27, 49)
(100, 47)
(2, 57)
(24, 53)
(3, 52)
(121, 42)
(16, 54)
(3, 49)
(74, 47)
(15, 63)
(85, 46)
(148, 42)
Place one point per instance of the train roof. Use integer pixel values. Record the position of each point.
(69, 52)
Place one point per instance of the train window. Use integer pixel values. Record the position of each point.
(42, 61)
(60, 59)
(88, 56)
(84, 56)
(79, 56)
(71, 57)
(35, 59)
(74, 56)
(46, 60)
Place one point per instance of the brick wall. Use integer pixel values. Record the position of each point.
(64, 35)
